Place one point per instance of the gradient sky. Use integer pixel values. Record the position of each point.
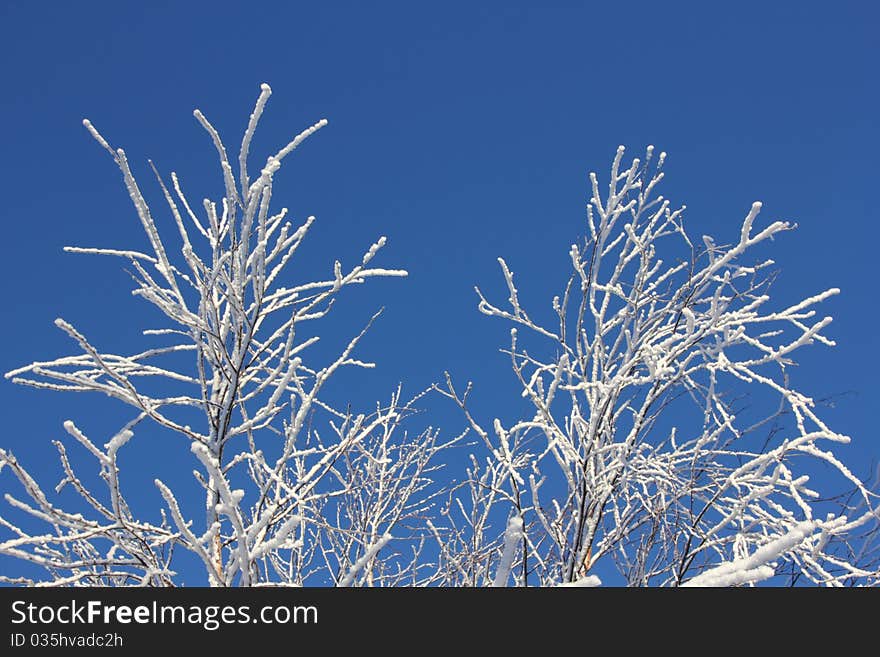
(461, 133)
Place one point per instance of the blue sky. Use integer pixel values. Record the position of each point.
(461, 133)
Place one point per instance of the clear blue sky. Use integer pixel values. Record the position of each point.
(461, 133)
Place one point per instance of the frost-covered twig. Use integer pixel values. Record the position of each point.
(282, 503)
(650, 447)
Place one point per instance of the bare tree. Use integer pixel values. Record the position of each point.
(284, 501)
(645, 452)
(646, 449)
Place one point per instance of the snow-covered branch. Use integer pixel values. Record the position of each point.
(664, 442)
(282, 504)
(650, 448)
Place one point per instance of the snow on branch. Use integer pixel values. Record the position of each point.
(282, 503)
(756, 567)
(664, 439)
